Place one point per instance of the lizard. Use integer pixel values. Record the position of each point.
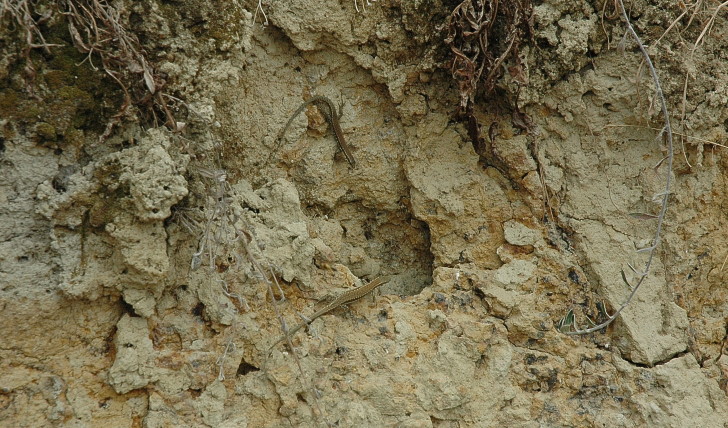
(343, 299)
(328, 110)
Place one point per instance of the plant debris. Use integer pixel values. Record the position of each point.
(482, 35)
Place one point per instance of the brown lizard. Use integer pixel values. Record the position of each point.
(343, 299)
(327, 108)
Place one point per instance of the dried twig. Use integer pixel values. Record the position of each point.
(569, 322)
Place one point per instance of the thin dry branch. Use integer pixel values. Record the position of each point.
(650, 250)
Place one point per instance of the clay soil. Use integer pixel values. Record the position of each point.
(158, 233)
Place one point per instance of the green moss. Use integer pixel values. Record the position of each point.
(67, 100)
(67, 92)
(69, 67)
(56, 79)
(222, 25)
(73, 137)
(14, 105)
(45, 131)
(83, 97)
(8, 103)
(69, 95)
(8, 132)
(73, 106)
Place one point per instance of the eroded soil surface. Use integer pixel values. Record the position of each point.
(139, 252)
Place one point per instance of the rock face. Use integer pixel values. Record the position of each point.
(149, 260)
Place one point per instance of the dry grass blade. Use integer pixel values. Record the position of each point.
(709, 25)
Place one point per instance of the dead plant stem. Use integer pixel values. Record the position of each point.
(668, 181)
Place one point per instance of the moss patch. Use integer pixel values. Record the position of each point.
(63, 96)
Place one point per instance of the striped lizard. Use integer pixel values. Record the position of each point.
(327, 108)
(343, 299)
